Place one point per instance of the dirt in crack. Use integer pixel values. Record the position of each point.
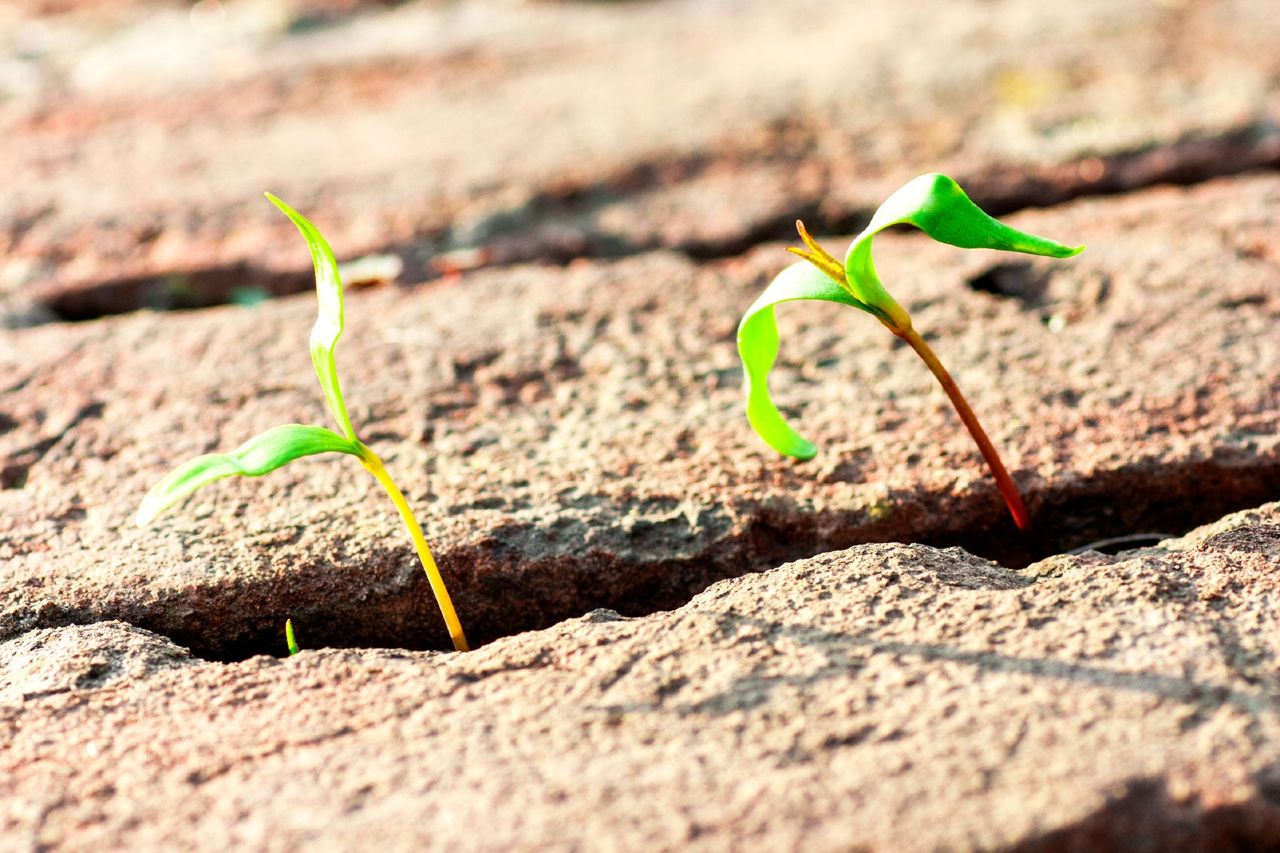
(1121, 510)
(241, 283)
(500, 590)
(177, 291)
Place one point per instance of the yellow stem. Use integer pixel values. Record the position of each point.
(374, 466)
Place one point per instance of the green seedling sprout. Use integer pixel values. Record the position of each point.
(283, 444)
(940, 208)
(290, 640)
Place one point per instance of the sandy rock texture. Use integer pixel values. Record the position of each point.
(557, 213)
(886, 697)
(139, 136)
(574, 439)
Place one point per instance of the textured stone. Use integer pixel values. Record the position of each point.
(138, 139)
(573, 438)
(886, 696)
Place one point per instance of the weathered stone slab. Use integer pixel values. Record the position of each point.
(552, 130)
(887, 696)
(573, 438)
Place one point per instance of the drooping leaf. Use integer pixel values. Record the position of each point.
(936, 205)
(329, 320)
(257, 456)
(758, 346)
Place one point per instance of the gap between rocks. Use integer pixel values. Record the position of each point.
(553, 226)
(515, 581)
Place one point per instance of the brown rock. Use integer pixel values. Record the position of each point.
(554, 130)
(574, 439)
(887, 696)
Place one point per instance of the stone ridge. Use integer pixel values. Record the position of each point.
(886, 696)
(573, 438)
(138, 183)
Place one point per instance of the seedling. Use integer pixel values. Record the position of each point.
(289, 640)
(283, 444)
(937, 206)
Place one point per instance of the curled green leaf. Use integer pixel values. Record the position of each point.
(936, 205)
(329, 319)
(758, 346)
(257, 456)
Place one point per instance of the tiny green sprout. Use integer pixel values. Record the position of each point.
(290, 640)
(280, 445)
(937, 206)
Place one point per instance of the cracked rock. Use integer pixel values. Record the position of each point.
(587, 446)
(885, 696)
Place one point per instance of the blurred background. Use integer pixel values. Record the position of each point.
(137, 136)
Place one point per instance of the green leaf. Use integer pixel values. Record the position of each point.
(758, 346)
(257, 456)
(289, 639)
(329, 320)
(937, 206)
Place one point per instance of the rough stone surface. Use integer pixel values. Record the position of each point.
(886, 696)
(574, 438)
(138, 136)
(570, 430)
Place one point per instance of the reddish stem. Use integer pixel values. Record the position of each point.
(1007, 489)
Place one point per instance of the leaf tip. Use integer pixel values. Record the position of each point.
(805, 452)
(1059, 250)
(284, 206)
(147, 512)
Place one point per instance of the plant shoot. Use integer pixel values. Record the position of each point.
(283, 444)
(937, 206)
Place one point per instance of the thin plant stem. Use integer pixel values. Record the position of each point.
(1005, 483)
(374, 466)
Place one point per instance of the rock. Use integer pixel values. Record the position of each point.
(570, 430)
(573, 438)
(48, 661)
(135, 173)
(885, 696)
